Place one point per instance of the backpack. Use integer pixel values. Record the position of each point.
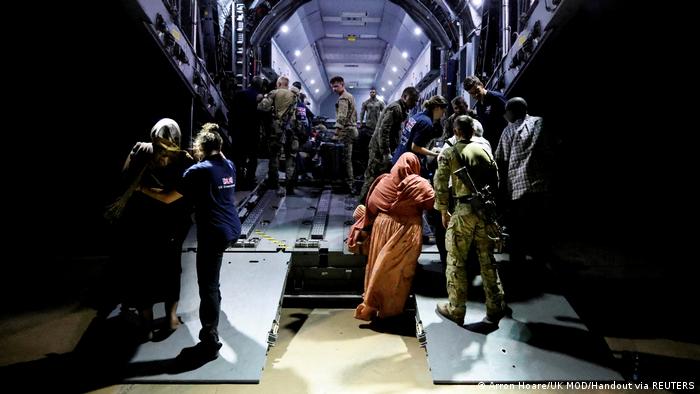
(303, 125)
(291, 126)
(265, 105)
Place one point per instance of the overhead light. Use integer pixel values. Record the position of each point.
(316, 90)
(383, 89)
(417, 31)
(394, 69)
(390, 83)
(476, 3)
(313, 81)
(308, 68)
(284, 29)
(297, 53)
(404, 54)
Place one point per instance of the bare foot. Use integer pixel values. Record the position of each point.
(174, 323)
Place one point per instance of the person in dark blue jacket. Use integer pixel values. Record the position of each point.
(211, 184)
(420, 129)
(490, 108)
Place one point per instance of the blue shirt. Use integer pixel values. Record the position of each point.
(418, 130)
(490, 113)
(211, 184)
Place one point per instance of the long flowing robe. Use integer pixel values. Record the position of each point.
(394, 208)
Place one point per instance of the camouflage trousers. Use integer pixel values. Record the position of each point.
(464, 228)
(346, 137)
(290, 143)
(377, 164)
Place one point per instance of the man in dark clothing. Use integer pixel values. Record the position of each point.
(490, 108)
(245, 126)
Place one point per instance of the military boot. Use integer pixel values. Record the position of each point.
(494, 318)
(457, 316)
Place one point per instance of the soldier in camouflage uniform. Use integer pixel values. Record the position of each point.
(464, 226)
(282, 101)
(369, 115)
(372, 107)
(386, 137)
(345, 125)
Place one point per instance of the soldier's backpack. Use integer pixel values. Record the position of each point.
(266, 104)
(292, 125)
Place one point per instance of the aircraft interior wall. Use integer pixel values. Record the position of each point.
(584, 89)
(98, 99)
(617, 176)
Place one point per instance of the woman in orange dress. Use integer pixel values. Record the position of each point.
(394, 208)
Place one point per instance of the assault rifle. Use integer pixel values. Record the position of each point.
(483, 202)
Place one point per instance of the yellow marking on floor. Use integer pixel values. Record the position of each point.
(277, 242)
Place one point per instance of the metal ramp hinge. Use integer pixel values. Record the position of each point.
(246, 243)
(307, 243)
(420, 334)
(272, 335)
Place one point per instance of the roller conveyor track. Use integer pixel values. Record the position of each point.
(253, 218)
(318, 227)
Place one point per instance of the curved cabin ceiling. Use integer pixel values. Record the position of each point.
(368, 42)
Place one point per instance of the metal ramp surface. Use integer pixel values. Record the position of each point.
(543, 341)
(278, 223)
(252, 286)
(309, 220)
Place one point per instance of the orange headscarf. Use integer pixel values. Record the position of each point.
(401, 192)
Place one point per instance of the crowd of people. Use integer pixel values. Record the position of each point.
(497, 152)
(416, 168)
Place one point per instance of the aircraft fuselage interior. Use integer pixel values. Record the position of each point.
(516, 251)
